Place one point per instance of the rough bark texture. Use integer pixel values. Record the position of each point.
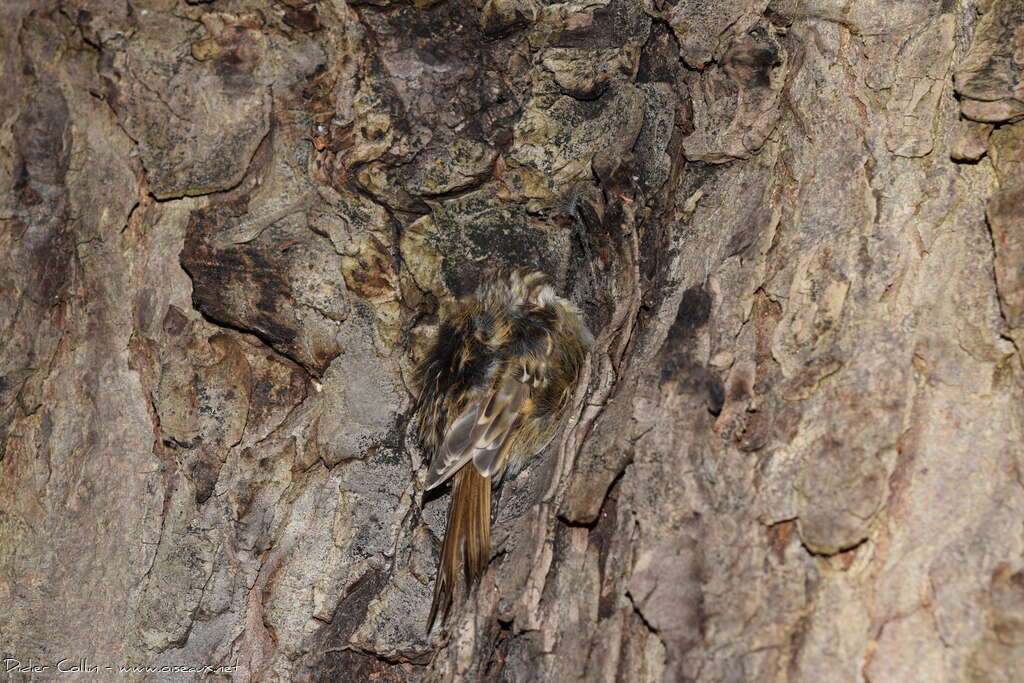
(797, 229)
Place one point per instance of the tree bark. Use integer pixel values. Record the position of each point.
(796, 229)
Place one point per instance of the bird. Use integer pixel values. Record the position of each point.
(493, 388)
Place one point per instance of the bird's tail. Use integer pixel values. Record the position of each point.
(467, 536)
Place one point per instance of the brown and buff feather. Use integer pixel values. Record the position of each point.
(467, 537)
(492, 390)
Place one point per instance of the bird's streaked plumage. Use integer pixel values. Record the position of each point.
(492, 391)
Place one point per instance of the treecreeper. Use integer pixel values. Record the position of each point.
(493, 389)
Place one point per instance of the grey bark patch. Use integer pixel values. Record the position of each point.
(198, 123)
(42, 134)
(841, 488)
(736, 103)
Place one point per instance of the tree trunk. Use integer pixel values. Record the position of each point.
(796, 229)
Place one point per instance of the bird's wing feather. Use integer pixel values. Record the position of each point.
(456, 449)
(480, 432)
(497, 422)
(500, 411)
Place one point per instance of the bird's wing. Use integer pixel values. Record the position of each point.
(456, 449)
(481, 431)
(496, 421)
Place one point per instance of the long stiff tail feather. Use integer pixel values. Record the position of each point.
(467, 537)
